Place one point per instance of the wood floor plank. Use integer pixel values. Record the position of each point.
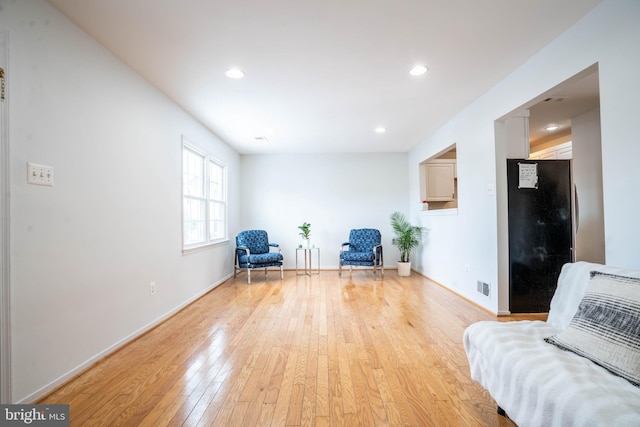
(346, 384)
(294, 414)
(163, 412)
(252, 413)
(399, 396)
(373, 394)
(393, 415)
(208, 409)
(286, 387)
(305, 351)
(336, 412)
(193, 409)
(309, 403)
(266, 415)
(322, 386)
(275, 380)
(363, 410)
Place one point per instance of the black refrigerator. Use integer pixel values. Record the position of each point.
(541, 233)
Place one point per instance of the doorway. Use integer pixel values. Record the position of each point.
(573, 107)
(566, 125)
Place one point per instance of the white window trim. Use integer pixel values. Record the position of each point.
(186, 144)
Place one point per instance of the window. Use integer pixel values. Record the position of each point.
(204, 203)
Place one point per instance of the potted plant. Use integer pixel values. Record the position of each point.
(408, 237)
(305, 232)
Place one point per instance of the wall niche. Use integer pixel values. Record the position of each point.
(439, 181)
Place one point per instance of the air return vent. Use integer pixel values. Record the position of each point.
(484, 288)
(555, 99)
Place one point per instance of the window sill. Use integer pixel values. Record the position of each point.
(440, 212)
(205, 246)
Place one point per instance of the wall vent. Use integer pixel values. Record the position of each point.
(556, 99)
(483, 288)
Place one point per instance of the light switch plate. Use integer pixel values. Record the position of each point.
(39, 174)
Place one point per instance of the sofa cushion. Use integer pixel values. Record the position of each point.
(367, 257)
(257, 260)
(572, 284)
(606, 327)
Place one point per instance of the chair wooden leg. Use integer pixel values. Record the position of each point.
(281, 272)
(248, 276)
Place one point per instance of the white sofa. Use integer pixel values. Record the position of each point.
(539, 384)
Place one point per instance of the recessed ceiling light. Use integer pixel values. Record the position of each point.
(418, 70)
(380, 129)
(552, 127)
(234, 73)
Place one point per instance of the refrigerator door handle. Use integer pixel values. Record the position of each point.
(575, 196)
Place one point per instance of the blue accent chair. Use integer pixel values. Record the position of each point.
(253, 250)
(364, 248)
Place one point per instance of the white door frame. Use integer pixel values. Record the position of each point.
(5, 305)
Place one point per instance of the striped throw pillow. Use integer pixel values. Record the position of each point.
(606, 327)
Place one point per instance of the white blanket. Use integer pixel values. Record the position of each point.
(538, 384)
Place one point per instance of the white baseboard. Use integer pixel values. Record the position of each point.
(33, 397)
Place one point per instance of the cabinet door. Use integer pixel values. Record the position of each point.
(564, 153)
(559, 152)
(440, 185)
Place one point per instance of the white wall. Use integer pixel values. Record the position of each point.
(84, 251)
(333, 192)
(609, 36)
(587, 176)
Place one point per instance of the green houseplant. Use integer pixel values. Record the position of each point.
(305, 232)
(408, 237)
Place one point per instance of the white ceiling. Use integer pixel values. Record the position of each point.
(559, 105)
(324, 74)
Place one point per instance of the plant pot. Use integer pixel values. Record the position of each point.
(404, 268)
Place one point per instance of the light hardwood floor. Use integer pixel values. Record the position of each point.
(306, 351)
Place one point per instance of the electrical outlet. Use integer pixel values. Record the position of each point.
(152, 288)
(39, 174)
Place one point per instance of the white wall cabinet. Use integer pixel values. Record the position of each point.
(440, 176)
(559, 152)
